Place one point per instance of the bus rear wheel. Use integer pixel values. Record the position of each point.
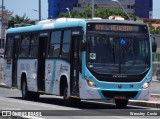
(121, 103)
(27, 95)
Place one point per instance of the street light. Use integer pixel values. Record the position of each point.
(69, 12)
(39, 10)
(35, 10)
(122, 7)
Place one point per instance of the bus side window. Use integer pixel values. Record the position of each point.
(24, 50)
(66, 43)
(33, 46)
(9, 47)
(54, 45)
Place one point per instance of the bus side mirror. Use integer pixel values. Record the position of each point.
(154, 45)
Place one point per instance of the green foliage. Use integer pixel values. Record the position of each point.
(153, 30)
(21, 20)
(157, 31)
(158, 22)
(103, 13)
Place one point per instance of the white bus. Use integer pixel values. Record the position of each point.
(80, 59)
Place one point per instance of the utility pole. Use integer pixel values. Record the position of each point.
(2, 29)
(92, 8)
(39, 10)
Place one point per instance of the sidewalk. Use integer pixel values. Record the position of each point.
(153, 102)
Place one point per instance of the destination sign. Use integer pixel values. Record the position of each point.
(117, 27)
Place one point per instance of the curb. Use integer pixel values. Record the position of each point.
(155, 96)
(3, 85)
(145, 103)
(139, 103)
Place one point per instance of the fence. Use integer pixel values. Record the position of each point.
(156, 62)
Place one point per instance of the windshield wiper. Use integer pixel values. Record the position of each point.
(113, 54)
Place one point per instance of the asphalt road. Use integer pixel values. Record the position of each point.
(10, 99)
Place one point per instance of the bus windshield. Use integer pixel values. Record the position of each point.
(118, 55)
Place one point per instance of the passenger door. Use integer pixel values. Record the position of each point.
(14, 61)
(75, 61)
(43, 38)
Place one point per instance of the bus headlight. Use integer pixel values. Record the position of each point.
(90, 82)
(145, 85)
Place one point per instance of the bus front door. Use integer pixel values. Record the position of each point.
(75, 65)
(41, 63)
(14, 61)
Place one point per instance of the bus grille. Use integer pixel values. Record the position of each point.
(112, 94)
(111, 78)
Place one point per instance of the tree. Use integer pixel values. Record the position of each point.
(21, 20)
(153, 30)
(103, 13)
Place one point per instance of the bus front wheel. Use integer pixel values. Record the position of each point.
(25, 93)
(65, 96)
(68, 101)
(121, 103)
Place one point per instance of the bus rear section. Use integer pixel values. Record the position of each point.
(117, 62)
(41, 59)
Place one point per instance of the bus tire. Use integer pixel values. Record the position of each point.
(24, 89)
(66, 98)
(121, 103)
(35, 96)
(68, 101)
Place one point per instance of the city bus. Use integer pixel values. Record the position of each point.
(80, 59)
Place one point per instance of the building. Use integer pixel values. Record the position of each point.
(55, 7)
(128, 5)
(147, 9)
(141, 8)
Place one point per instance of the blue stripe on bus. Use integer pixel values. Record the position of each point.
(83, 64)
(53, 76)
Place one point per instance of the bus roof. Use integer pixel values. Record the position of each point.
(115, 21)
(66, 22)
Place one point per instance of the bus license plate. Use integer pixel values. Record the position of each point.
(120, 97)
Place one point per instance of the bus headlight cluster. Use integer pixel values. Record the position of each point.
(145, 85)
(90, 82)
